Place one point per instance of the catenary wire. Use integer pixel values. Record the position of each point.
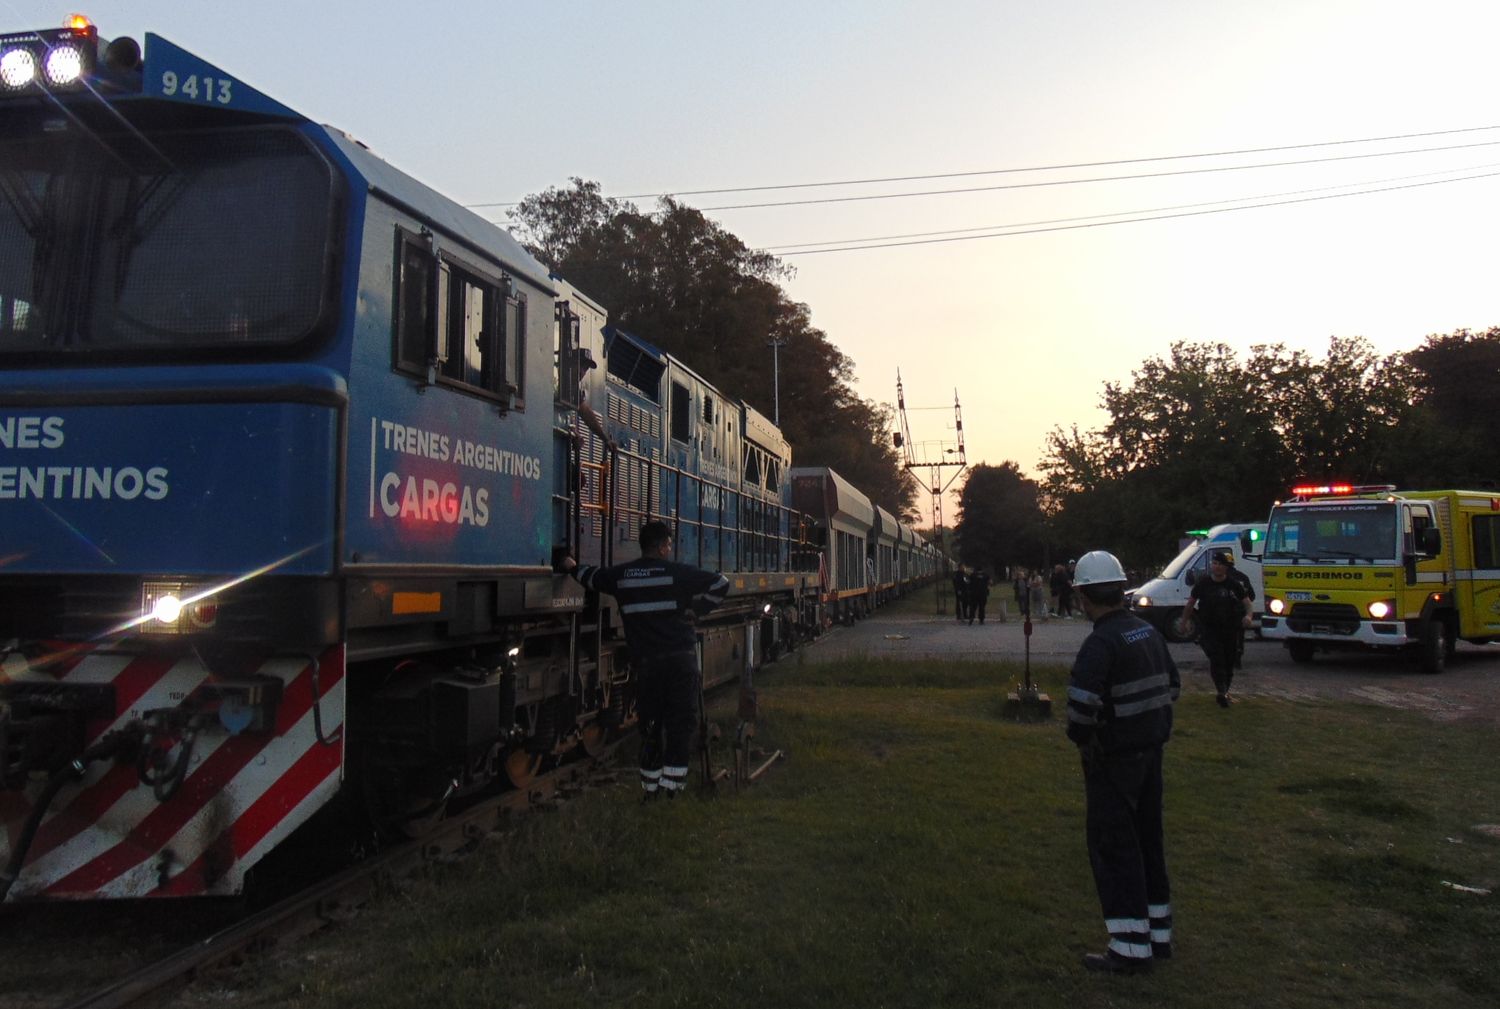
(1034, 168)
(778, 249)
(1135, 220)
(1097, 178)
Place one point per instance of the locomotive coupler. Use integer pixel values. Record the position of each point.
(43, 725)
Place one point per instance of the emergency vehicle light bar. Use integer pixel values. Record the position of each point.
(1337, 489)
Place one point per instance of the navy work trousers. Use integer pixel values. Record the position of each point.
(667, 700)
(1126, 851)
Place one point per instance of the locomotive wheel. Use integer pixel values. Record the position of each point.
(593, 737)
(521, 768)
(406, 805)
(424, 815)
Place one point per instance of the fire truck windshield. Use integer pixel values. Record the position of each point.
(1344, 530)
(203, 241)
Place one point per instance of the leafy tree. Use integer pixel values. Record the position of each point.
(694, 289)
(1000, 519)
(1199, 437)
(1453, 437)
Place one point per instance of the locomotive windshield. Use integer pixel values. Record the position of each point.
(201, 241)
(1352, 530)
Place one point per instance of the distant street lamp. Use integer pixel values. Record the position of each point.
(776, 344)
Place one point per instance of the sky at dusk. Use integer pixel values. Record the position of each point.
(492, 101)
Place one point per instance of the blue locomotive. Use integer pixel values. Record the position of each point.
(290, 445)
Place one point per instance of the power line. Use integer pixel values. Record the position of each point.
(1136, 220)
(1098, 178)
(782, 249)
(1034, 168)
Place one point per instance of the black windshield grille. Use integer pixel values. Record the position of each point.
(207, 240)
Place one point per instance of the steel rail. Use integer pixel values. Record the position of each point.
(319, 905)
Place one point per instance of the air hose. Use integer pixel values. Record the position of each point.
(109, 746)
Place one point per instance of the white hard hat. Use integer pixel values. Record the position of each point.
(1098, 567)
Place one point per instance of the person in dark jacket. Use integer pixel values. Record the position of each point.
(1120, 697)
(1062, 592)
(1223, 611)
(961, 592)
(979, 594)
(659, 602)
(1244, 580)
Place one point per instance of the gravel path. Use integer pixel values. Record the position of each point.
(1468, 690)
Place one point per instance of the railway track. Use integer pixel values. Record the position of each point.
(337, 897)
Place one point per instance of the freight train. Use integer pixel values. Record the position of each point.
(291, 447)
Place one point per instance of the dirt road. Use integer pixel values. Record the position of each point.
(1468, 690)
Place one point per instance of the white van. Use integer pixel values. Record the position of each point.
(1160, 601)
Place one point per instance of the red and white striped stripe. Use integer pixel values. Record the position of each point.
(109, 837)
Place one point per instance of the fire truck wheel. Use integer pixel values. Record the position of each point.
(1436, 646)
(1300, 651)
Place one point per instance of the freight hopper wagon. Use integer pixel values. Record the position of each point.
(845, 537)
(289, 448)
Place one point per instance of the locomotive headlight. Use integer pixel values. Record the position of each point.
(1382, 608)
(17, 68)
(168, 609)
(64, 64)
(173, 607)
(1276, 606)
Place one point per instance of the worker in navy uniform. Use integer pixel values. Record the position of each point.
(1244, 580)
(659, 601)
(1223, 609)
(1120, 699)
(961, 592)
(979, 594)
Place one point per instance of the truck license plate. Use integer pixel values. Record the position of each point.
(1299, 597)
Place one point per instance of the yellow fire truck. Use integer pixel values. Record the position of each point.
(1348, 565)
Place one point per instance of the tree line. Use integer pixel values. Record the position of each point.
(1200, 436)
(680, 281)
(1195, 437)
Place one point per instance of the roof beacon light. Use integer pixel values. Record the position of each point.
(78, 22)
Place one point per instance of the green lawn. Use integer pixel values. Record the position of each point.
(917, 850)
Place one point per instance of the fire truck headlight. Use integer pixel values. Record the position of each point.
(17, 68)
(64, 64)
(1276, 606)
(1382, 608)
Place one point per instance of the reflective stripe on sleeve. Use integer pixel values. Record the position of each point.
(1085, 697)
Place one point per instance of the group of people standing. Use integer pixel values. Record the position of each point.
(971, 593)
(1044, 597)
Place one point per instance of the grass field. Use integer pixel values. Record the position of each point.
(917, 850)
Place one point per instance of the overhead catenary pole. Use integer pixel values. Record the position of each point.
(914, 460)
